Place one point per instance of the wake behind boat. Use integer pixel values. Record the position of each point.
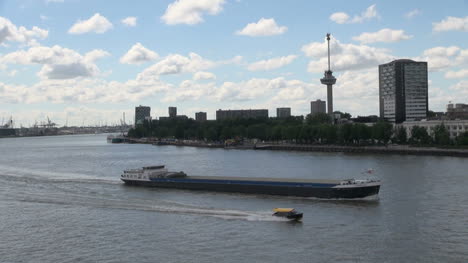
(159, 176)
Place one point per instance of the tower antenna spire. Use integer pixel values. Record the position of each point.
(328, 42)
(329, 80)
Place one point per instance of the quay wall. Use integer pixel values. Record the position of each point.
(402, 150)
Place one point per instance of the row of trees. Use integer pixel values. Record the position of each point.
(315, 129)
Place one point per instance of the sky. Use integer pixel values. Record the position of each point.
(89, 62)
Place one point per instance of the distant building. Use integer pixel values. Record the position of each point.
(457, 111)
(172, 112)
(178, 117)
(283, 112)
(142, 113)
(403, 90)
(366, 119)
(454, 127)
(200, 116)
(173, 115)
(317, 106)
(241, 114)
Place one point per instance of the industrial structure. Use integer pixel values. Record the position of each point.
(403, 90)
(329, 80)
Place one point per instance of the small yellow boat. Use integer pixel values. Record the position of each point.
(289, 213)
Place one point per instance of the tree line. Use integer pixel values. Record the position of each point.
(315, 129)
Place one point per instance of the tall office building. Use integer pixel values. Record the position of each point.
(200, 116)
(317, 106)
(142, 113)
(172, 112)
(403, 90)
(283, 112)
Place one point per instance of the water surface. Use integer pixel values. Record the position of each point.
(61, 201)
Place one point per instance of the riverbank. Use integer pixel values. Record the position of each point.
(390, 149)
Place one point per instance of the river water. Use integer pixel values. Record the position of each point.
(61, 201)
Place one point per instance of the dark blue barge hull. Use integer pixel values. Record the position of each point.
(317, 190)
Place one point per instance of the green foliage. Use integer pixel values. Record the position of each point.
(400, 135)
(318, 118)
(420, 136)
(344, 115)
(316, 129)
(441, 135)
(462, 139)
(382, 132)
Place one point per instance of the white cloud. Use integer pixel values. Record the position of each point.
(461, 87)
(54, 1)
(248, 90)
(12, 73)
(413, 13)
(357, 84)
(439, 58)
(344, 56)
(463, 73)
(81, 90)
(238, 60)
(202, 75)
(339, 17)
(442, 51)
(451, 24)
(344, 18)
(97, 24)
(191, 12)
(138, 54)
(264, 27)
(296, 92)
(67, 71)
(95, 54)
(58, 62)
(189, 90)
(273, 63)
(232, 94)
(176, 64)
(129, 21)
(11, 33)
(383, 35)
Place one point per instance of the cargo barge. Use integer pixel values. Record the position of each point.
(159, 176)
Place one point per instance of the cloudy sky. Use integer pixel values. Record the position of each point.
(88, 62)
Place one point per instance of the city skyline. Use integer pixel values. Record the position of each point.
(83, 62)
